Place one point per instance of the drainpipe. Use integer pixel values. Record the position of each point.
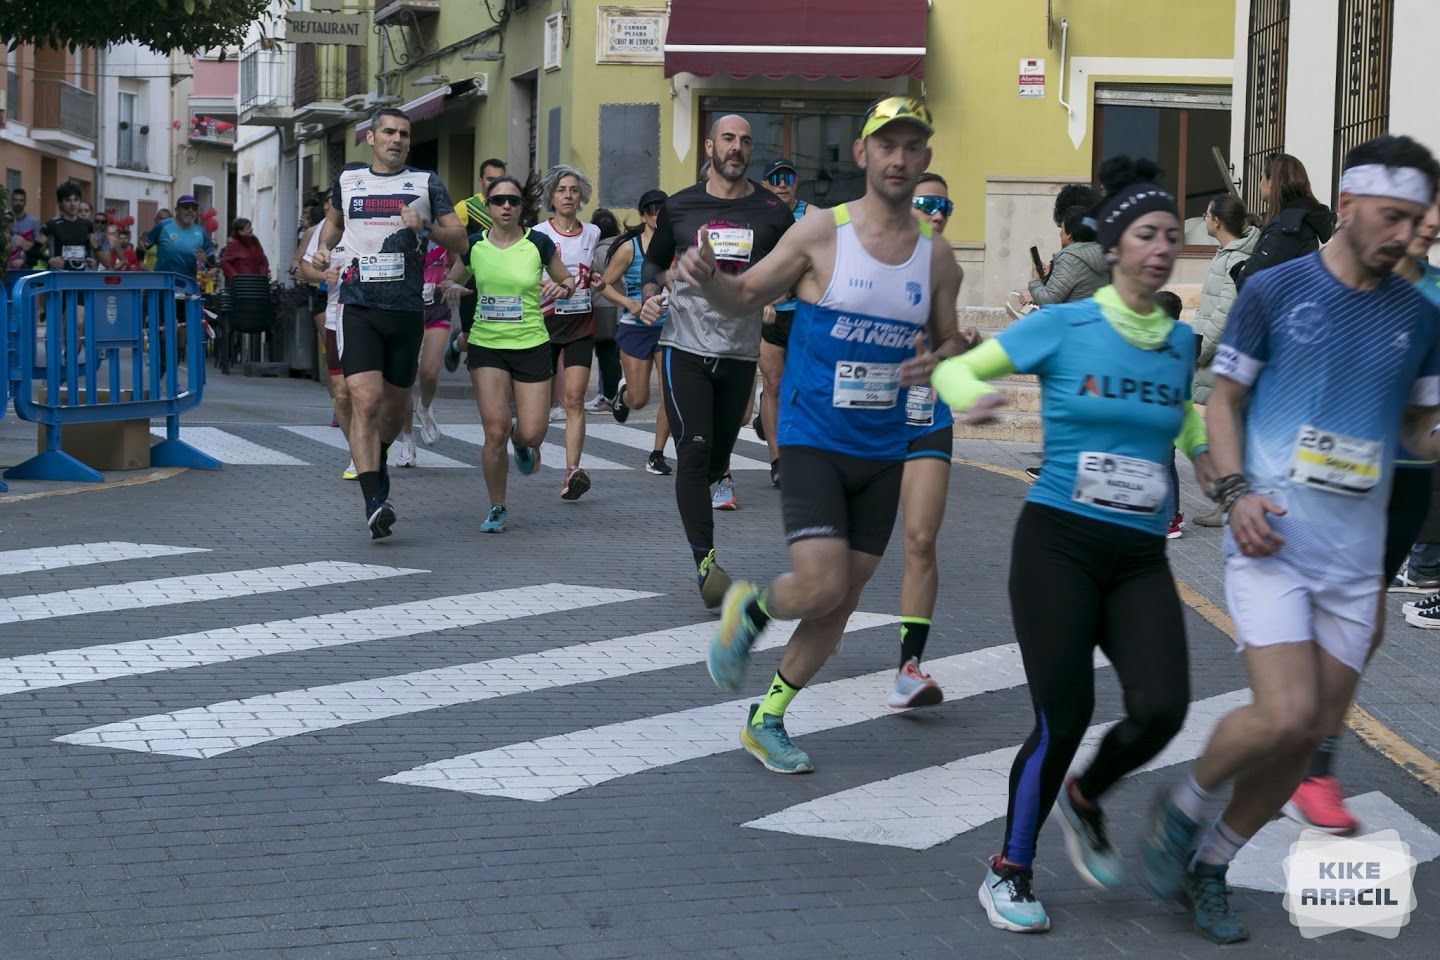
(1064, 36)
(99, 129)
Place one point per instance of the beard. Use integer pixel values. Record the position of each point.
(735, 161)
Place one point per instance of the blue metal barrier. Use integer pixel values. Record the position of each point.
(6, 340)
(110, 332)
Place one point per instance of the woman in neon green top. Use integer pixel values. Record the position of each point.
(509, 346)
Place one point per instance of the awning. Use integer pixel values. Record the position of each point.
(849, 39)
(421, 108)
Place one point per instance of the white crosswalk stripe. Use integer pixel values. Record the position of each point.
(230, 449)
(84, 554)
(331, 437)
(551, 455)
(190, 589)
(222, 727)
(645, 440)
(61, 668)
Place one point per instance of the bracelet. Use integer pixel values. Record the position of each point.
(1234, 498)
(1226, 485)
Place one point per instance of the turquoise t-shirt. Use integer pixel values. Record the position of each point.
(175, 247)
(1110, 412)
(1429, 287)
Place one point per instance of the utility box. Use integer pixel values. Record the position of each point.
(116, 445)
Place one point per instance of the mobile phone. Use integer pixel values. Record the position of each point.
(1035, 259)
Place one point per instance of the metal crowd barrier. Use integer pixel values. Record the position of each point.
(101, 347)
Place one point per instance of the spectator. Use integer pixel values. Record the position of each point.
(1226, 221)
(68, 241)
(1077, 270)
(243, 255)
(1295, 222)
(607, 318)
(24, 230)
(1170, 302)
(181, 245)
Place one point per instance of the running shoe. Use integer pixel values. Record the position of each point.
(1009, 900)
(1215, 518)
(429, 429)
(577, 481)
(406, 456)
(599, 404)
(495, 523)
(1319, 803)
(381, 518)
(724, 498)
(914, 687)
(1426, 603)
(1091, 852)
(655, 463)
(1177, 527)
(1211, 898)
(714, 581)
(1426, 618)
(768, 742)
(775, 474)
(527, 459)
(758, 426)
(730, 649)
(557, 414)
(1410, 580)
(334, 420)
(618, 407)
(1033, 473)
(349, 472)
(1169, 845)
(452, 352)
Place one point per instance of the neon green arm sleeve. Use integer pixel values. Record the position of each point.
(960, 381)
(1191, 440)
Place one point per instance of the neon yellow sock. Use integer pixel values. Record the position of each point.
(775, 702)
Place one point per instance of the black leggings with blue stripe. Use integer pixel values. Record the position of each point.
(1077, 584)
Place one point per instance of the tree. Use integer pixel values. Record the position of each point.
(184, 25)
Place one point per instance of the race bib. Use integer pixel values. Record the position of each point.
(494, 309)
(428, 292)
(579, 303)
(1335, 462)
(732, 243)
(1124, 484)
(920, 407)
(73, 251)
(873, 386)
(382, 266)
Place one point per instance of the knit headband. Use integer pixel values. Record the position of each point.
(1121, 209)
(1397, 183)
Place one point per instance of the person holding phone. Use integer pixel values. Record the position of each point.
(1077, 271)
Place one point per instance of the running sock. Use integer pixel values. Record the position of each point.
(782, 691)
(1191, 799)
(914, 631)
(1323, 757)
(1219, 846)
(759, 614)
(384, 456)
(370, 485)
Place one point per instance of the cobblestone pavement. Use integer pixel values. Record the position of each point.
(257, 734)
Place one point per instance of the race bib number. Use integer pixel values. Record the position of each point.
(920, 407)
(1334, 462)
(428, 292)
(579, 303)
(382, 266)
(494, 309)
(872, 386)
(732, 243)
(73, 252)
(1123, 484)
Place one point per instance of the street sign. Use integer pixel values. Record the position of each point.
(342, 29)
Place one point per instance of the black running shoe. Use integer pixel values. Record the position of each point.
(758, 426)
(381, 520)
(452, 352)
(656, 464)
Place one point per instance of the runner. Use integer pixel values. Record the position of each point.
(1312, 376)
(932, 201)
(335, 374)
(474, 216)
(432, 353)
(709, 355)
(780, 177)
(870, 283)
(68, 241)
(384, 214)
(1088, 566)
(639, 341)
(510, 352)
(570, 319)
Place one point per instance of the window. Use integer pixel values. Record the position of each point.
(1362, 84)
(12, 182)
(128, 152)
(1181, 129)
(1265, 97)
(204, 194)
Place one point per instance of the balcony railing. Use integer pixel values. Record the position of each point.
(265, 77)
(65, 109)
(213, 128)
(12, 95)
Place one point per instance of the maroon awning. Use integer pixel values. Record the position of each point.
(849, 39)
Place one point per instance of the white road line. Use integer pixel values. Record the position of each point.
(190, 589)
(84, 554)
(1261, 862)
(559, 765)
(222, 727)
(331, 437)
(551, 455)
(645, 440)
(61, 668)
(228, 448)
(920, 809)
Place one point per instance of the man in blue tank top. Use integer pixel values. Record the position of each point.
(871, 288)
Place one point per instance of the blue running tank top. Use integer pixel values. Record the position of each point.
(634, 289)
(841, 388)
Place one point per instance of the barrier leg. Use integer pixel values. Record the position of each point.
(174, 452)
(53, 464)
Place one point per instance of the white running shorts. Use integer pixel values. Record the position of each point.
(1271, 602)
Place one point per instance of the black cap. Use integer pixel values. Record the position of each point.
(780, 163)
(651, 197)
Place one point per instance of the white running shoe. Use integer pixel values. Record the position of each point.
(349, 472)
(914, 688)
(557, 414)
(429, 429)
(406, 456)
(598, 405)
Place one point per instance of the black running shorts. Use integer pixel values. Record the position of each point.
(577, 353)
(526, 365)
(831, 495)
(383, 340)
(778, 333)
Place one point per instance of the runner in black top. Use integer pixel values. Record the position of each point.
(69, 240)
(709, 357)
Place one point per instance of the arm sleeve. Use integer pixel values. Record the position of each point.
(1056, 289)
(1245, 345)
(960, 381)
(1191, 439)
(440, 203)
(662, 248)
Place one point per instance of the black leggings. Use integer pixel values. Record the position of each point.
(1407, 515)
(607, 356)
(705, 398)
(1075, 584)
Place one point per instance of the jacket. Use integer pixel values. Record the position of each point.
(1216, 298)
(244, 257)
(1299, 230)
(1076, 272)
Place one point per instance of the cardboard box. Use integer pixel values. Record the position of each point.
(116, 445)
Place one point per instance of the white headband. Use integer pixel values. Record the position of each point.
(1378, 180)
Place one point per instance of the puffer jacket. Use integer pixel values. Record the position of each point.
(1216, 298)
(1076, 273)
(1299, 230)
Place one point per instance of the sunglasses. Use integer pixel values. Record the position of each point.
(777, 178)
(932, 205)
(505, 200)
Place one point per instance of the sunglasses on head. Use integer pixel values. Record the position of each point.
(505, 200)
(932, 205)
(781, 176)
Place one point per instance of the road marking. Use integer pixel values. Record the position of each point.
(1260, 864)
(332, 437)
(230, 449)
(190, 589)
(645, 440)
(149, 476)
(60, 668)
(222, 727)
(920, 809)
(84, 554)
(551, 455)
(555, 766)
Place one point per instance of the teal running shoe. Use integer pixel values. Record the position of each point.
(1169, 846)
(768, 742)
(495, 523)
(1009, 900)
(1211, 897)
(1093, 855)
(730, 650)
(527, 459)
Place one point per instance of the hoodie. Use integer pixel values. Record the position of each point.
(1299, 230)
(1076, 273)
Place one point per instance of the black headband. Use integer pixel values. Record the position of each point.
(1117, 211)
